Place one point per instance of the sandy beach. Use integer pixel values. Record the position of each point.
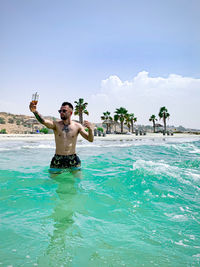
(110, 137)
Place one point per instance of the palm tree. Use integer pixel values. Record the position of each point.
(107, 120)
(133, 119)
(121, 113)
(163, 114)
(80, 109)
(128, 121)
(153, 119)
(115, 120)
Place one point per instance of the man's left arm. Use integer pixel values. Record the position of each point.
(87, 135)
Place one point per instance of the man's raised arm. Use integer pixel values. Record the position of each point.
(49, 124)
(87, 135)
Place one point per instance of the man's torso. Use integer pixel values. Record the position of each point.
(66, 137)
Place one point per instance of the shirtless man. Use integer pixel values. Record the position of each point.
(66, 132)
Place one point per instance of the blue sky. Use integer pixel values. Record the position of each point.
(68, 49)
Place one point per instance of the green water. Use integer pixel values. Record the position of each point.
(136, 204)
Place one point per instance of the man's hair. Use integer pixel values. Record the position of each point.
(68, 104)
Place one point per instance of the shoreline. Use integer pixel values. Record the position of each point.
(108, 137)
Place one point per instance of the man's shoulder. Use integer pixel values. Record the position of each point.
(58, 124)
(58, 121)
(77, 124)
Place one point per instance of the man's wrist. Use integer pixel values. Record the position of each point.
(38, 117)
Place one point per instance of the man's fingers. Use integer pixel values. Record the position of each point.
(32, 107)
(87, 124)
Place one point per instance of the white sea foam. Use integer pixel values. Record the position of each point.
(86, 145)
(170, 196)
(102, 145)
(4, 149)
(119, 145)
(9, 148)
(196, 255)
(176, 217)
(195, 176)
(156, 167)
(38, 146)
(195, 151)
(180, 243)
(192, 174)
(182, 147)
(192, 237)
(160, 168)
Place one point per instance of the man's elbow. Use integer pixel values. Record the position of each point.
(91, 139)
(90, 136)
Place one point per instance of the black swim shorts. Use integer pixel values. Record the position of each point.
(65, 162)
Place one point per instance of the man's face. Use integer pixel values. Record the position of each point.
(65, 112)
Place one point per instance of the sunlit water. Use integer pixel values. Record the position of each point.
(137, 204)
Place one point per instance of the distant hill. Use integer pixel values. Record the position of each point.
(23, 124)
(20, 124)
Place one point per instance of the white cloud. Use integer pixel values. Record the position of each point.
(144, 95)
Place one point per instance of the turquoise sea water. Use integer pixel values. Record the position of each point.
(137, 204)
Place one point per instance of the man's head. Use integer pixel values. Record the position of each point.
(66, 110)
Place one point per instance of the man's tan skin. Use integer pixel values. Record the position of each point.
(66, 131)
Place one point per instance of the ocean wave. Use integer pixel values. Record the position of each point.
(194, 176)
(183, 147)
(177, 217)
(180, 243)
(119, 145)
(159, 169)
(156, 167)
(51, 146)
(156, 201)
(86, 145)
(2, 149)
(184, 139)
(102, 145)
(196, 255)
(37, 146)
(195, 151)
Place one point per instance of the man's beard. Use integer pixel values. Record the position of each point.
(63, 117)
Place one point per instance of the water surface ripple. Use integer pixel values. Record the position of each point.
(136, 204)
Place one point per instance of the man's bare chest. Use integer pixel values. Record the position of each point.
(67, 131)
